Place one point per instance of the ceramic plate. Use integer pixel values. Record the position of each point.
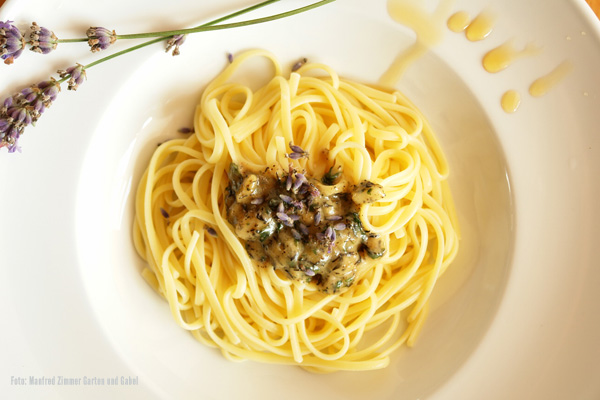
(516, 315)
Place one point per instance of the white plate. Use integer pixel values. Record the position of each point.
(516, 317)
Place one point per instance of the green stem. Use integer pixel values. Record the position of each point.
(225, 26)
(72, 40)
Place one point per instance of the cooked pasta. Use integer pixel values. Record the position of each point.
(302, 127)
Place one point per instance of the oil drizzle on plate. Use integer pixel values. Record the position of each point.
(428, 27)
(504, 55)
(542, 85)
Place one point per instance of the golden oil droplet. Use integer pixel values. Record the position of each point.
(510, 101)
(459, 21)
(480, 27)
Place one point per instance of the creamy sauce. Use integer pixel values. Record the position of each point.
(308, 229)
(510, 101)
(542, 85)
(504, 55)
(427, 26)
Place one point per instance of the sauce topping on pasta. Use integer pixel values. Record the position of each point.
(307, 228)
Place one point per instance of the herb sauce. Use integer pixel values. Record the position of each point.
(288, 223)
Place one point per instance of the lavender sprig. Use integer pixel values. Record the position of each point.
(100, 38)
(25, 108)
(42, 40)
(12, 42)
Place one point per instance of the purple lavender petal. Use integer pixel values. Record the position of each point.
(76, 75)
(296, 149)
(4, 124)
(28, 119)
(12, 42)
(38, 106)
(303, 229)
(174, 43)
(257, 201)
(300, 179)
(280, 208)
(286, 199)
(13, 112)
(43, 40)
(104, 40)
(13, 147)
(329, 233)
(164, 213)
(333, 218)
(297, 65)
(288, 182)
(318, 217)
(282, 216)
(211, 231)
(100, 38)
(339, 226)
(298, 204)
(296, 234)
(315, 192)
(295, 156)
(309, 272)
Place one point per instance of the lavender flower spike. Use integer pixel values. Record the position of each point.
(12, 42)
(23, 109)
(76, 74)
(174, 44)
(42, 40)
(100, 38)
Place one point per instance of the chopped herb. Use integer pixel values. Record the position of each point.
(374, 256)
(338, 285)
(264, 235)
(330, 177)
